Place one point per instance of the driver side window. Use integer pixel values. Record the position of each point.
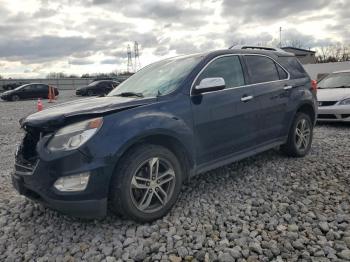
(227, 67)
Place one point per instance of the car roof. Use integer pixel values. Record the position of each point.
(36, 84)
(249, 51)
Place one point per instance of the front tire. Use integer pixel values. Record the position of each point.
(146, 183)
(15, 98)
(299, 137)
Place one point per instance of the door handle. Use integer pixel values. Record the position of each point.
(287, 87)
(246, 98)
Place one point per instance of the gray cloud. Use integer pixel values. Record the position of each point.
(252, 10)
(40, 36)
(44, 47)
(44, 13)
(294, 37)
(162, 12)
(112, 61)
(80, 61)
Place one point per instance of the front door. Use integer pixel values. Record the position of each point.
(225, 121)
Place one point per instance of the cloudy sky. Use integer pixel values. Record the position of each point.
(90, 36)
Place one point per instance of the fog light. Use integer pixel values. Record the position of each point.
(72, 183)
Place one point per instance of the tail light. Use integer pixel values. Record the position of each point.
(314, 85)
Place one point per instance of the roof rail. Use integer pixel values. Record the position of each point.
(257, 47)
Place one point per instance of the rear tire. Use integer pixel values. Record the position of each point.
(299, 137)
(15, 98)
(146, 183)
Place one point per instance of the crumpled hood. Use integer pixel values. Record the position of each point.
(57, 115)
(333, 94)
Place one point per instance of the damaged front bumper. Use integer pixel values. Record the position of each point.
(34, 177)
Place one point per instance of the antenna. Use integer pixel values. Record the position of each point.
(130, 67)
(137, 63)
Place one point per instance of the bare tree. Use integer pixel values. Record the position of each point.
(52, 75)
(333, 53)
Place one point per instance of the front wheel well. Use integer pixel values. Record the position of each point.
(309, 110)
(170, 143)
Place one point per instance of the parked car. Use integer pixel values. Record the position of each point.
(101, 87)
(334, 97)
(11, 86)
(133, 149)
(28, 91)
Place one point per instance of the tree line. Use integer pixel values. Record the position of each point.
(54, 75)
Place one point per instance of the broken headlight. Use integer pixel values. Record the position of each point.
(75, 135)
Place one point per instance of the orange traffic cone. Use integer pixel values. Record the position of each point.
(50, 94)
(53, 93)
(39, 104)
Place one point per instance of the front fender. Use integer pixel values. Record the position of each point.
(123, 129)
(144, 125)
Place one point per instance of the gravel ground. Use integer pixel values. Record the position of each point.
(264, 208)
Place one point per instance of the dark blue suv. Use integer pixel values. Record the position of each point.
(133, 149)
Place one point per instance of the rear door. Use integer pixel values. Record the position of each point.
(225, 121)
(272, 93)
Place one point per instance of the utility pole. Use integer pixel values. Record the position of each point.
(130, 67)
(280, 36)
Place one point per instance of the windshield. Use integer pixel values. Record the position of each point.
(20, 87)
(335, 80)
(159, 78)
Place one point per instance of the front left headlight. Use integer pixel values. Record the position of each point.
(75, 135)
(344, 102)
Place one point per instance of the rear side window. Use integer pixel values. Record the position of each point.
(43, 87)
(295, 69)
(228, 67)
(262, 69)
(31, 88)
(281, 72)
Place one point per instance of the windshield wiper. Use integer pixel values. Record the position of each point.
(127, 94)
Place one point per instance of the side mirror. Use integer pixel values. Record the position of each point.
(210, 84)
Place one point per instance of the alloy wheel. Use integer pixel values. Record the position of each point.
(15, 98)
(152, 185)
(302, 134)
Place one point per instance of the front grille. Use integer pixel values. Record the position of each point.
(326, 116)
(326, 103)
(26, 155)
(25, 169)
(345, 115)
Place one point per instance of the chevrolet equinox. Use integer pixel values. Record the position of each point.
(131, 150)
